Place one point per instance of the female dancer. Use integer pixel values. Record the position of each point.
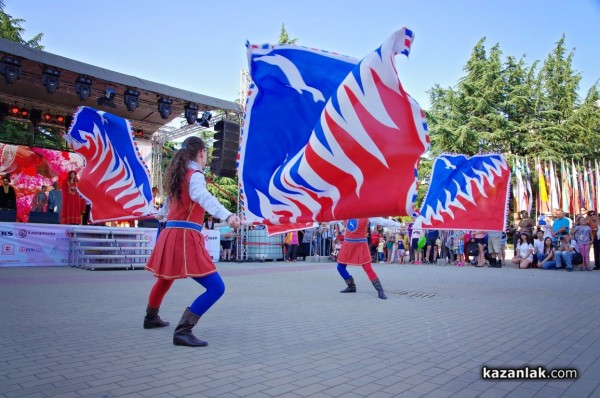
(355, 251)
(179, 251)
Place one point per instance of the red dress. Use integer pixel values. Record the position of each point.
(180, 252)
(73, 204)
(355, 249)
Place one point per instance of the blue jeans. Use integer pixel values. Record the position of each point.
(563, 256)
(548, 264)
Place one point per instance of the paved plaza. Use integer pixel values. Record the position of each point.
(283, 330)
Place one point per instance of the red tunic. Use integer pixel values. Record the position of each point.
(355, 249)
(181, 253)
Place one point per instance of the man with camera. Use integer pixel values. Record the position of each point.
(564, 252)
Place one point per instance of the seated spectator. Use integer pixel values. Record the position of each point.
(545, 257)
(524, 249)
(564, 253)
(538, 247)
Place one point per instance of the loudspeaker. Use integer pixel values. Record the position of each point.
(42, 217)
(8, 215)
(225, 148)
(149, 223)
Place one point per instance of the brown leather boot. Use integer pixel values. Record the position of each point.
(351, 288)
(152, 320)
(183, 332)
(379, 288)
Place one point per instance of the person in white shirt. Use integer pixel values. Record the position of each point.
(524, 249)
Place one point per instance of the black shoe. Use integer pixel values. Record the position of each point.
(152, 320)
(351, 288)
(183, 335)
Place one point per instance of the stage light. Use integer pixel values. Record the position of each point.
(50, 79)
(139, 132)
(203, 121)
(83, 87)
(24, 113)
(35, 116)
(108, 98)
(164, 107)
(60, 118)
(131, 99)
(190, 111)
(15, 110)
(10, 68)
(47, 117)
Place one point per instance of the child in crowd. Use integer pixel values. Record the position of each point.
(401, 251)
(458, 246)
(381, 249)
(337, 245)
(582, 233)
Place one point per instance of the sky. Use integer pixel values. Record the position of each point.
(199, 45)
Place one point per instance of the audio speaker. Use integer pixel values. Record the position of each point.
(8, 215)
(41, 217)
(148, 223)
(225, 148)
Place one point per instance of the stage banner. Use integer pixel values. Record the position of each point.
(34, 245)
(212, 241)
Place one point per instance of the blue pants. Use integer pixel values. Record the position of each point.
(564, 256)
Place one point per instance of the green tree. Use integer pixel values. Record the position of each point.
(11, 29)
(284, 38)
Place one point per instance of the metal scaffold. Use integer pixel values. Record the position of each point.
(242, 238)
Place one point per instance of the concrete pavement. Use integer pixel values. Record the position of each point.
(283, 330)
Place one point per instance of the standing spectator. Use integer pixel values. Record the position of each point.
(480, 238)
(402, 243)
(582, 233)
(381, 250)
(325, 244)
(526, 223)
(503, 247)
(209, 223)
(494, 248)
(55, 199)
(73, 204)
(40, 200)
(156, 199)
(417, 233)
(227, 237)
(448, 245)
(560, 226)
(8, 195)
(458, 245)
(292, 239)
(307, 239)
(432, 237)
(524, 255)
(592, 218)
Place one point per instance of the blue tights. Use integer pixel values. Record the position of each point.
(214, 290)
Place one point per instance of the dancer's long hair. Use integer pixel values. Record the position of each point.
(178, 167)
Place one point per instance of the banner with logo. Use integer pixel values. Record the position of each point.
(34, 245)
(212, 241)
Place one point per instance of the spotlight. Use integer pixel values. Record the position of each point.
(83, 87)
(35, 116)
(131, 99)
(139, 132)
(164, 107)
(60, 118)
(108, 98)
(47, 117)
(203, 121)
(24, 112)
(14, 110)
(190, 111)
(50, 79)
(10, 68)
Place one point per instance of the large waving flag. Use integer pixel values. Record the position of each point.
(327, 137)
(115, 178)
(467, 193)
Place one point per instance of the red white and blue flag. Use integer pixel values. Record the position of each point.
(115, 178)
(327, 137)
(468, 193)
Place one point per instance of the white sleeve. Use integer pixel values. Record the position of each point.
(385, 222)
(163, 211)
(199, 194)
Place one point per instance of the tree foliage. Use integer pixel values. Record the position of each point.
(284, 38)
(11, 29)
(504, 105)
